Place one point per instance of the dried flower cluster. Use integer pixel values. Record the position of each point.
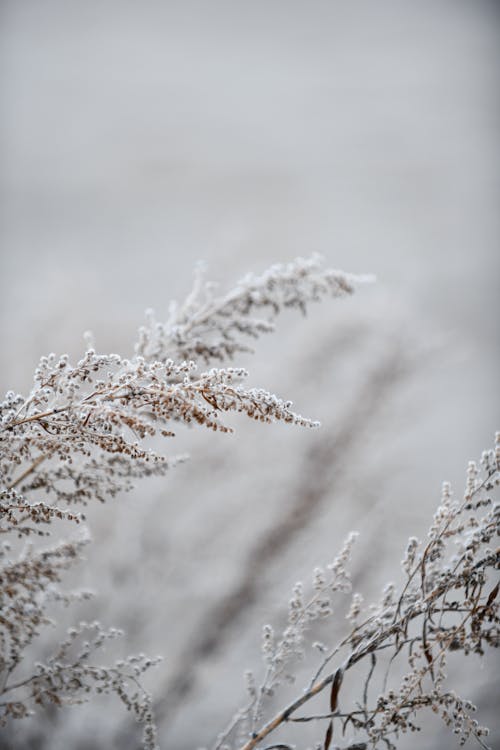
(214, 328)
(447, 603)
(84, 433)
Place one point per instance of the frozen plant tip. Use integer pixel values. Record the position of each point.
(214, 328)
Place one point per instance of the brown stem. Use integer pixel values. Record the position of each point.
(285, 715)
(36, 463)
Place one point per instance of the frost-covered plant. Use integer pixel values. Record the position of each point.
(85, 433)
(447, 603)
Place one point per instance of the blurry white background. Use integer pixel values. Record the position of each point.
(138, 138)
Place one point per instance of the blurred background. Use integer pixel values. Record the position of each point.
(139, 138)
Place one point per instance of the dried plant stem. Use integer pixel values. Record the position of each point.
(284, 716)
(29, 470)
(371, 648)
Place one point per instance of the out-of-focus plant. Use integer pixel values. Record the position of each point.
(446, 603)
(84, 433)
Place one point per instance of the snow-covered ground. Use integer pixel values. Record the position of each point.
(138, 138)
